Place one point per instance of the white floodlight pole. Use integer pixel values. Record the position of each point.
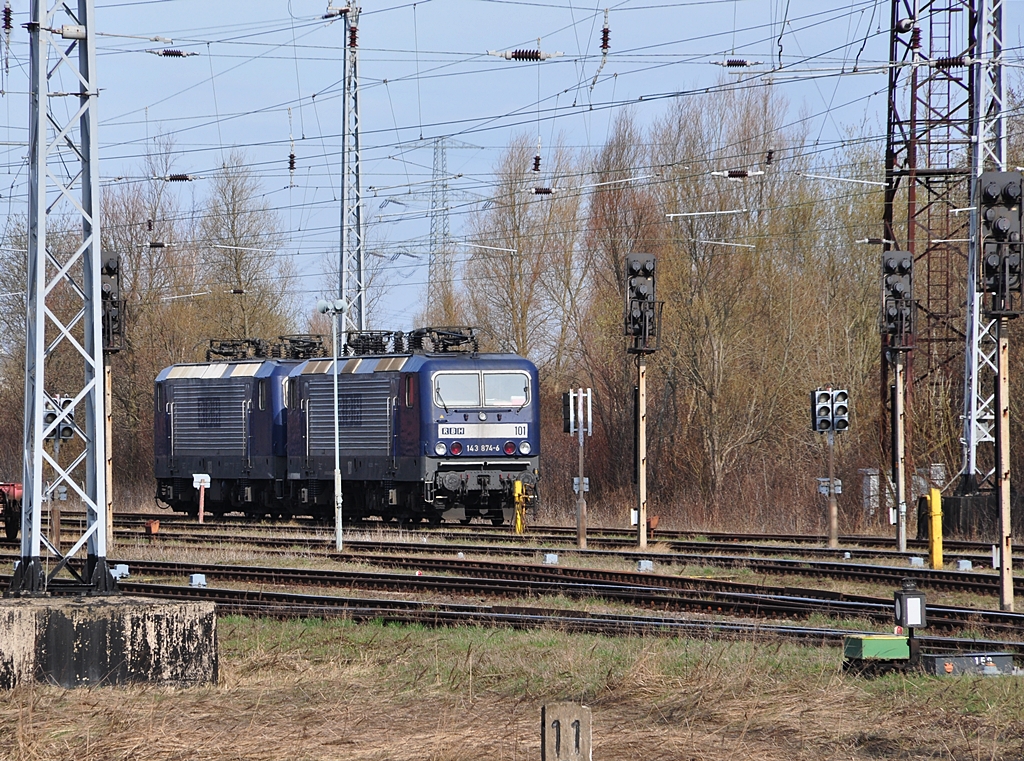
(335, 308)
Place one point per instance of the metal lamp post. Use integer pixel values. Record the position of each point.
(334, 309)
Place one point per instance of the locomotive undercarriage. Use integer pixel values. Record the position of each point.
(475, 495)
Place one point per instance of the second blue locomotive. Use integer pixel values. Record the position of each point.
(429, 428)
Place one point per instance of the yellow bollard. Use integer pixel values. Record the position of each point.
(935, 528)
(519, 499)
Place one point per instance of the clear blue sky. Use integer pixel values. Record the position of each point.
(425, 73)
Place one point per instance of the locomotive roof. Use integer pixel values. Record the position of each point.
(376, 363)
(251, 368)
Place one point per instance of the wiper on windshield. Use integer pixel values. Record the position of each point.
(441, 399)
(525, 397)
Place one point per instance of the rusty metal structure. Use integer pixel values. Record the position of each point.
(944, 128)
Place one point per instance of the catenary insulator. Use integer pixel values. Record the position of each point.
(768, 157)
(525, 55)
(734, 63)
(291, 162)
(605, 35)
(950, 62)
(353, 36)
(543, 191)
(8, 16)
(536, 163)
(179, 178)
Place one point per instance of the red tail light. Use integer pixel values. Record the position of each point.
(455, 448)
(510, 447)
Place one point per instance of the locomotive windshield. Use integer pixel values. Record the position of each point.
(499, 389)
(506, 389)
(457, 390)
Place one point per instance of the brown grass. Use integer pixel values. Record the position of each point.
(315, 690)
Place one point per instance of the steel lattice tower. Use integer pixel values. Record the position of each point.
(64, 343)
(988, 152)
(942, 79)
(352, 285)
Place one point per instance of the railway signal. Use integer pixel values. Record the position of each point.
(112, 305)
(840, 410)
(66, 429)
(830, 413)
(1000, 227)
(999, 262)
(821, 410)
(642, 308)
(643, 313)
(898, 299)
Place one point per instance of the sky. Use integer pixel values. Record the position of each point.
(267, 75)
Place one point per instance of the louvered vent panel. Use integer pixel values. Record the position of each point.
(209, 418)
(362, 412)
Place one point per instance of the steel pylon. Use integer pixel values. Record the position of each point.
(988, 152)
(353, 255)
(64, 345)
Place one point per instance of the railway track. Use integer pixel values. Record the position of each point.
(291, 605)
(970, 581)
(683, 594)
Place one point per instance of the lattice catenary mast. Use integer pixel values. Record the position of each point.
(64, 342)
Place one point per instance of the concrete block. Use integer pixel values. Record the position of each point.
(551, 558)
(91, 641)
(964, 565)
(644, 565)
(916, 562)
(197, 580)
(120, 571)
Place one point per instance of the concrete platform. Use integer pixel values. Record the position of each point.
(90, 641)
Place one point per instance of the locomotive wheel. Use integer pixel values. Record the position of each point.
(498, 521)
(12, 522)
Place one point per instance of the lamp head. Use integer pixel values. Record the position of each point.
(340, 305)
(322, 306)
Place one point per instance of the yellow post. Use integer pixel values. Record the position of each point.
(935, 528)
(519, 499)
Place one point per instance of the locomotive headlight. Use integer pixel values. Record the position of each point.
(456, 448)
(510, 447)
(524, 447)
(440, 449)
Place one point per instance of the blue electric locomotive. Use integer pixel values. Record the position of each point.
(430, 429)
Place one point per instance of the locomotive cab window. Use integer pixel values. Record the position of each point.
(457, 390)
(262, 386)
(410, 391)
(506, 389)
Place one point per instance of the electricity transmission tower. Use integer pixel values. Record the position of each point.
(352, 264)
(945, 126)
(64, 339)
(441, 269)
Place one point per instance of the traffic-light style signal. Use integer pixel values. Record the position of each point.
(49, 417)
(999, 196)
(112, 305)
(642, 308)
(830, 410)
(898, 299)
(840, 409)
(568, 412)
(66, 428)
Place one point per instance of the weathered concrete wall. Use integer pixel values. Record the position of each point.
(86, 641)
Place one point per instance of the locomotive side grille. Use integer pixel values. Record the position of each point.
(209, 418)
(364, 414)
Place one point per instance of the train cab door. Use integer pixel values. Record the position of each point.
(303, 408)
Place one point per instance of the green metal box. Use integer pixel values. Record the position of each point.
(876, 647)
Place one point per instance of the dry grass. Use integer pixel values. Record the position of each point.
(312, 690)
